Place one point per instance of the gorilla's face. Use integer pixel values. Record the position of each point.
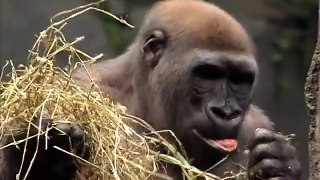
(198, 92)
(211, 103)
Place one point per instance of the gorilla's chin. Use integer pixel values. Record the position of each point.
(224, 146)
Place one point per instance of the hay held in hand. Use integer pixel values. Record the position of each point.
(42, 89)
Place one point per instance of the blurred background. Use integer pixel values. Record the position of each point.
(284, 32)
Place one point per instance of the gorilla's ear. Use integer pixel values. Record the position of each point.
(153, 47)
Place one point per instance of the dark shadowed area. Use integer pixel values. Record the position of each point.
(284, 42)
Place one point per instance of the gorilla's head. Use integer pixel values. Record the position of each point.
(195, 75)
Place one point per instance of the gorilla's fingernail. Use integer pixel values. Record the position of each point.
(257, 129)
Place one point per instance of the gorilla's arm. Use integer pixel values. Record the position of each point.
(49, 163)
(270, 154)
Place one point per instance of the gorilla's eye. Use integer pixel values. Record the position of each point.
(242, 77)
(208, 71)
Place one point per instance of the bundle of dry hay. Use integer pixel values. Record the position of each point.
(41, 87)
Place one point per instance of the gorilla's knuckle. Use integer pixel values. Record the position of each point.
(268, 168)
(63, 128)
(268, 164)
(295, 167)
(290, 152)
(77, 131)
(44, 123)
(262, 148)
(70, 129)
(262, 132)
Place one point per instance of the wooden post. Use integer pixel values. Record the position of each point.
(313, 101)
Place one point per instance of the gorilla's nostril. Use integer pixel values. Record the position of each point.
(218, 112)
(226, 113)
(235, 114)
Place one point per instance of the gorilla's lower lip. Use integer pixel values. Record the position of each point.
(223, 145)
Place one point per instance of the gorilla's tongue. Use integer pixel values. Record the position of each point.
(228, 145)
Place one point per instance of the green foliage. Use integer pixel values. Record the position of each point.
(294, 32)
(298, 8)
(115, 30)
(295, 27)
(120, 36)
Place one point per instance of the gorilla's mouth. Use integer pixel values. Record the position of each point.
(223, 145)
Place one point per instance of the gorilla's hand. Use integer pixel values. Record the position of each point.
(272, 157)
(50, 162)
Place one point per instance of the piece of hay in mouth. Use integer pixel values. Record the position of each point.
(117, 150)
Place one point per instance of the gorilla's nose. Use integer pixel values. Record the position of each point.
(225, 112)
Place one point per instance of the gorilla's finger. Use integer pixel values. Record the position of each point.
(264, 136)
(269, 168)
(70, 137)
(274, 168)
(274, 149)
(78, 139)
(43, 124)
(62, 129)
(74, 131)
(294, 168)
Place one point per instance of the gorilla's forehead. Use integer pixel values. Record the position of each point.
(223, 58)
(198, 23)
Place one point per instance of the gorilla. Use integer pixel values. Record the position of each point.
(191, 70)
